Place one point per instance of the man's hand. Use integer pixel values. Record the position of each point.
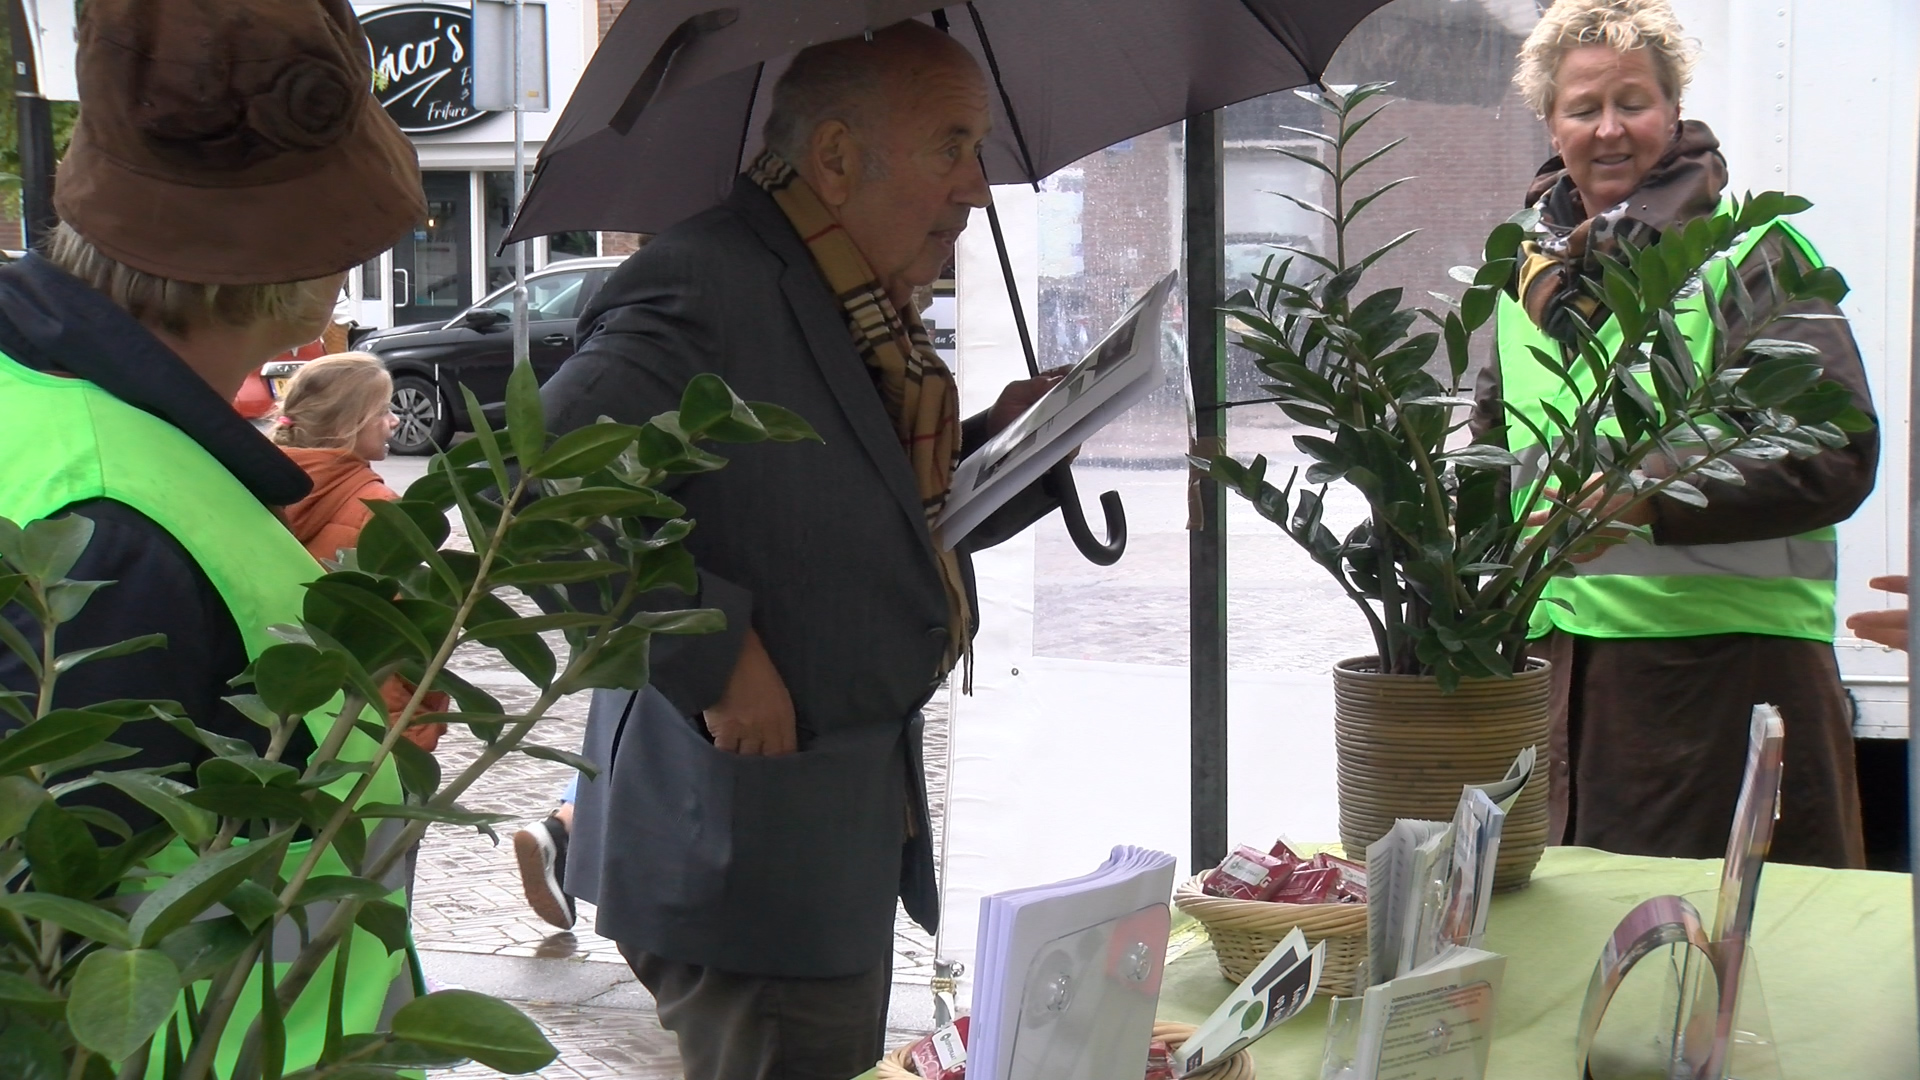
(1018, 397)
(1888, 627)
(1599, 504)
(755, 714)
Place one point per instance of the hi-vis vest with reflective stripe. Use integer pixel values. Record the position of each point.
(1638, 589)
(66, 440)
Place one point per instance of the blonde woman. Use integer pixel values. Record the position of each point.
(1662, 645)
(334, 423)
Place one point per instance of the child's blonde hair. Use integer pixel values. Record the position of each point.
(330, 400)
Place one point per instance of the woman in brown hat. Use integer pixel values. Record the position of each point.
(230, 165)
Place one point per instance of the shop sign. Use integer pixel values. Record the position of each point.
(422, 73)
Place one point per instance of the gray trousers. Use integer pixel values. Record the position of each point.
(756, 1027)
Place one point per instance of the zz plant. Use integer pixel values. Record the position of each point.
(111, 966)
(1445, 572)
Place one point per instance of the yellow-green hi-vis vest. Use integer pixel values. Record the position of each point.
(1638, 589)
(66, 440)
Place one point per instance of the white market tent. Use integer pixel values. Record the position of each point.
(1076, 736)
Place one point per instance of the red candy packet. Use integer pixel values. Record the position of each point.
(1309, 885)
(1247, 874)
(943, 1054)
(1159, 1061)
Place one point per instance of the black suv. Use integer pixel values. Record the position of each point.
(431, 361)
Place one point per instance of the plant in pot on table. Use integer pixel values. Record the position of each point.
(1462, 538)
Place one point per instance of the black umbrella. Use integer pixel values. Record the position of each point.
(669, 110)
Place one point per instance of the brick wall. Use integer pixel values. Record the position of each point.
(609, 11)
(1472, 166)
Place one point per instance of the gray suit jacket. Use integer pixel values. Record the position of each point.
(784, 866)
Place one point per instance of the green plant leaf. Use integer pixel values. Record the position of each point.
(249, 802)
(58, 734)
(419, 770)
(19, 992)
(450, 815)
(473, 1025)
(66, 662)
(599, 502)
(489, 445)
(575, 761)
(1483, 456)
(402, 534)
(621, 664)
(201, 885)
(376, 629)
(330, 887)
(119, 999)
(710, 409)
(252, 903)
(205, 946)
(78, 916)
(386, 921)
(554, 573)
(526, 420)
(686, 621)
(294, 680)
(65, 599)
(29, 1052)
(62, 853)
(19, 798)
(586, 450)
(163, 797)
(782, 425)
(46, 550)
(245, 771)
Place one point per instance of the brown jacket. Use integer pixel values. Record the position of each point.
(1780, 498)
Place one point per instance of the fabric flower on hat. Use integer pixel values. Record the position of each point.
(310, 105)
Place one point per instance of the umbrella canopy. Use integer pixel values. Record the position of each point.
(669, 110)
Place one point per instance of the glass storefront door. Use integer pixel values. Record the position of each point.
(432, 266)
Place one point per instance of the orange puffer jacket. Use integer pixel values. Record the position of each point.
(329, 519)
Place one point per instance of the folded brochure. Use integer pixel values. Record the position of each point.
(1279, 988)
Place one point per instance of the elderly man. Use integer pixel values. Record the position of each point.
(764, 803)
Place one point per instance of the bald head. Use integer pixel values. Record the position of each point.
(887, 133)
(856, 81)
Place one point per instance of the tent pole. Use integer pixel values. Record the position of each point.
(1913, 574)
(1207, 538)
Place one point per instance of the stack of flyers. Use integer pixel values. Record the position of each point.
(1277, 990)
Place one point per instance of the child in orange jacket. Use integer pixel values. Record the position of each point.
(334, 421)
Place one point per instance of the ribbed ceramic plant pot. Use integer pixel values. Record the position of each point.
(1405, 750)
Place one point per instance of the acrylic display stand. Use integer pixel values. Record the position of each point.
(1664, 1030)
(1662, 1026)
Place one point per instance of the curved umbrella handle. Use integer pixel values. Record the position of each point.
(1059, 484)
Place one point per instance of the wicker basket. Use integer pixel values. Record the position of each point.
(895, 1066)
(1245, 931)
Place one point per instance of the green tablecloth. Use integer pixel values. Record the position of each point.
(1835, 952)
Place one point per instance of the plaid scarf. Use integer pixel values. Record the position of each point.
(914, 383)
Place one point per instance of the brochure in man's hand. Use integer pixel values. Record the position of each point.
(1115, 375)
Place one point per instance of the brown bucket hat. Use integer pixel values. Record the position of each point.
(233, 142)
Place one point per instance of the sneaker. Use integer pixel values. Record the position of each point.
(541, 851)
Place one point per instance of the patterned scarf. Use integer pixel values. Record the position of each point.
(914, 383)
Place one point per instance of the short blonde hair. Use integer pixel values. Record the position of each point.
(1623, 24)
(178, 305)
(330, 400)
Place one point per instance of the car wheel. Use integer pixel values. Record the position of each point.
(424, 427)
